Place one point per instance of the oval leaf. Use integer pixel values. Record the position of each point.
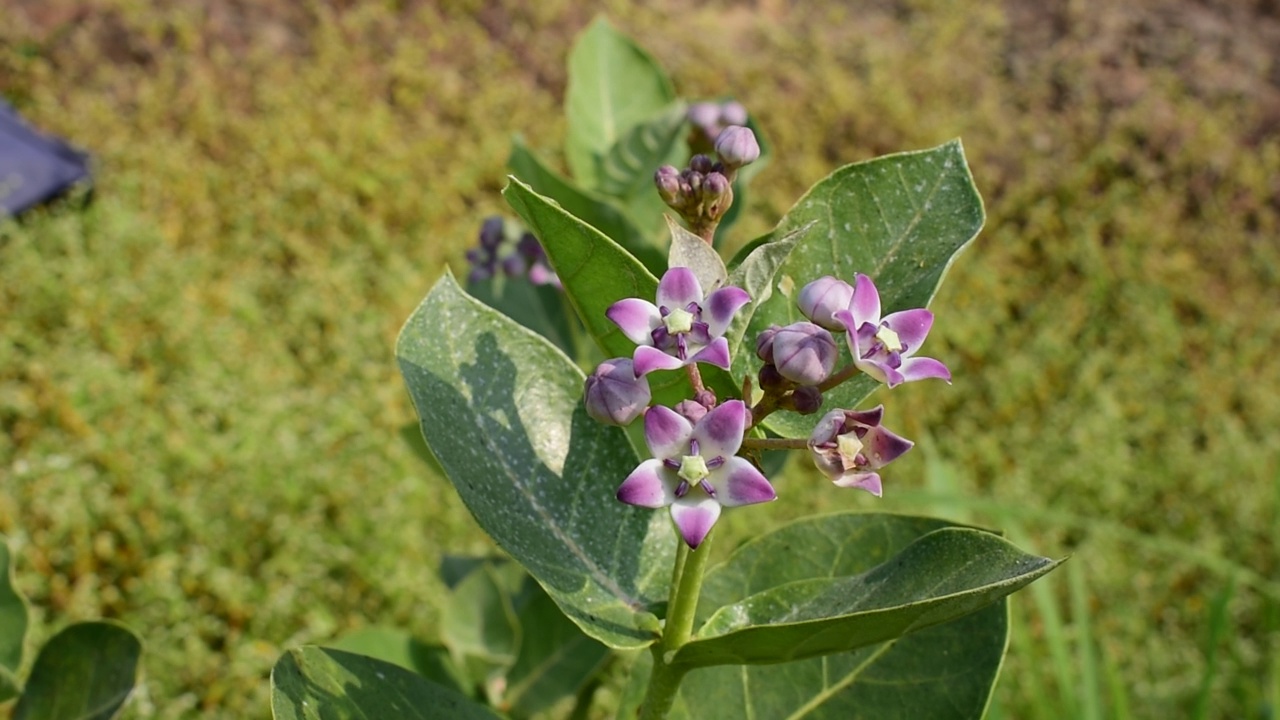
(85, 672)
(689, 250)
(613, 85)
(901, 219)
(556, 659)
(314, 683)
(13, 627)
(501, 410)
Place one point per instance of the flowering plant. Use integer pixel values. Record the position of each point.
(719, 362)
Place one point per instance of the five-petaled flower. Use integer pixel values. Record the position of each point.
(848, 446)
(695, 469)
(883, 347)
(683, 327)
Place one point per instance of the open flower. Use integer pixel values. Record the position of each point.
(848, 446)
(683, 327)
(694, 468)
(883, 347)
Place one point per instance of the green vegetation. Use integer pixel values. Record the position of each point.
(200, 412)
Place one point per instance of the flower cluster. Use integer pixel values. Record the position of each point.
(702, 192)
(517, 254)
(695, 469)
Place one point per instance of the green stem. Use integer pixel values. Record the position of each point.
(686, 586)
(843, 374)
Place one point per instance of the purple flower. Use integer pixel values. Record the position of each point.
(683, 327)
(737, 146)
(821, 299)
(614, 395)
(848, 446)
(883, 347)
(694, 469)
(804, 353)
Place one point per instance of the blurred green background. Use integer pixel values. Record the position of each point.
(200, 412)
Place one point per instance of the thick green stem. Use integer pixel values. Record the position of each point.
(686, 586)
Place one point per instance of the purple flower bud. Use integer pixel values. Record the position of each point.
(736, 145)
(530, 248)
(705, 116)
(804, 353)
(513, 265)
(771, 379)
(691, 182)
(491, 232)
(821, 299)
(667, 180)
(614, 395)
(717, 195)
(692, 410)
(764, 343)
(733, 113)
(701, 164)
(806, 400)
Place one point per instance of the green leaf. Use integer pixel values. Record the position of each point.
(689, 250)
(501, 410)
(628, 167)
(901, 219)
(478, 623)
(85, 672)
(13, 627)
(945, 672)
(314, 683)
(594, 210)
(400, 648)
(613, 85)
(556, 659)
(779, 608)
(595, 271)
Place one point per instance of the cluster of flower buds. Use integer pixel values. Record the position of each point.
(695, 469)
(511, 251)
(708, 119)
(702, 192)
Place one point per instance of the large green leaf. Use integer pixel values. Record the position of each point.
(479, 623)
(13, 627)
(556, 659)
(901, 219)
(690, 251)
(400, 648)
(85, 672)
(594, 210)
(501, 410)
(537, 307)
(314, 683)
(777, 611)
(613, 85)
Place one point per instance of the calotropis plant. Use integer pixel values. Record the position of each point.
(725, 365)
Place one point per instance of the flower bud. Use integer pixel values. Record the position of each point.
(764, 343)
(805, 400)
(804, 353)
(513, 265)
(667, 180)
(717, 195)
(771, 379)
(701, 164)
(705, 116)
(733, 113)
(491, 232)
(530, 248)
(692, 410)
(821, 299)
(614, 395)
(736, 145)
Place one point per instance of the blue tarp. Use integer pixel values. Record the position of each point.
(34, 168)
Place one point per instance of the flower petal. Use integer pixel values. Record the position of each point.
(694, 517)
(666, 432)
(912, 326)
(649, 485)
(863, 481)
(636, 318)
(738, 482)
(721, 307)
(878, 371)
(883, 447)
(679, 287)
(919, 368)
(647, 359)
(870, 418)
(717, 353)
(719, 432)
(865, 304)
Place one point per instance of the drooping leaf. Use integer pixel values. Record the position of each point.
(85, 672)
(556, 659)
(613, 85)
(901, 219)
(13, 627)
(628, 167)
(537, 307)
(400, 648)
(595, 210)
(689, 250)
(779, 609)
(501, 410)
(315, 683)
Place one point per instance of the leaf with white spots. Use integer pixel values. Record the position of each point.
(501, 409)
